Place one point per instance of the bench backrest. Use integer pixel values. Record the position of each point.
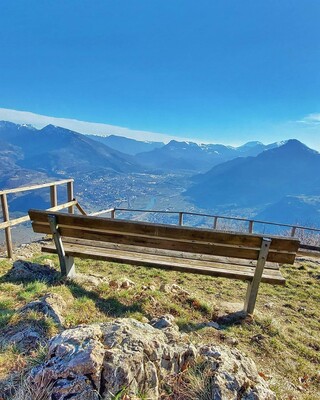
(170, 237)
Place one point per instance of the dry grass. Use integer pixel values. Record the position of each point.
(283, 338)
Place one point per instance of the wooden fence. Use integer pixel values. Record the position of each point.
(8, 223)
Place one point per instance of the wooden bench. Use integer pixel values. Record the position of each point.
(248, 257)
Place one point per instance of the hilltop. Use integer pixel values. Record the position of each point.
(282, 339)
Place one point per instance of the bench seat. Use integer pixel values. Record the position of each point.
(171, 260)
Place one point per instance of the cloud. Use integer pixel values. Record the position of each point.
(311, 119)
(39, 121)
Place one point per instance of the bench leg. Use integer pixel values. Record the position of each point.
(66, 262)
(253, 286)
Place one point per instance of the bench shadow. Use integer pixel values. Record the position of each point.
(220, 323)
(33, 272)
(110, 305)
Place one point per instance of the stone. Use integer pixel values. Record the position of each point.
(27, 271)
(95, 280)
(126, 284)
(51, 305)
(100, 360)
(165, 321)
(174, 288)
(114, 284)
(28, 334)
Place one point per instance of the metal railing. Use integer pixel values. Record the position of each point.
(216, 219)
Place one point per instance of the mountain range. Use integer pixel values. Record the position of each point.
(193, 157)
(126, 145)
(288, 170)
(278, 181)
(53, 150)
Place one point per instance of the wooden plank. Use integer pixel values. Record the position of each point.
(70, 196)
(157, 251)
(172, 263)
(108, 210)
(26, 218)
(168, 231)
(164, 243)
(53, 196)
(6, 218)
(32, 187)
(80, 209)
(14, 222)
(228, 261)
(62, 206)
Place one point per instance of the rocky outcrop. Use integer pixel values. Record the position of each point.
(29, 329)
(25, 270)
(51, 305)
(129, 357)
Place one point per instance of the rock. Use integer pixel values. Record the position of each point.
(51, 305)
(25, 270)
(100, 360)
(165, 321)
(24, 336)
(126, 284)
(92, 279)
(27, 334)
(74, 363)
(269, 305)
(49, 262)
(149, 287)
(235, 376)
(257, 338)
(232, 341)
(114, 284)
(166, 288)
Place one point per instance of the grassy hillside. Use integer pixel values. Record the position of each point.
(283, 337)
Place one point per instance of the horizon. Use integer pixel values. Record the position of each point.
(207, 72)
(98, 129)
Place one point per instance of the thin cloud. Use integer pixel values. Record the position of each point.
(311, 119)
(39, 121)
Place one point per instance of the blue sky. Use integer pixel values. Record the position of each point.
(218, 71)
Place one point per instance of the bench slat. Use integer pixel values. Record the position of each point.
(161, 230)
(176, 244)
(173, 253)
(171, 263)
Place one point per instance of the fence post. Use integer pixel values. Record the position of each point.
(180, 218)
(250, 226)
(53, 196)
(113, 213)
(215, 222)
(70, 196)
(293, 231)
(5, 213)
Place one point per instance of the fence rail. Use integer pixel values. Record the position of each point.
(8, 223)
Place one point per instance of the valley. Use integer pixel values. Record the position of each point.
(274, 182)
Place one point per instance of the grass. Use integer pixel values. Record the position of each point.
(282, 338)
